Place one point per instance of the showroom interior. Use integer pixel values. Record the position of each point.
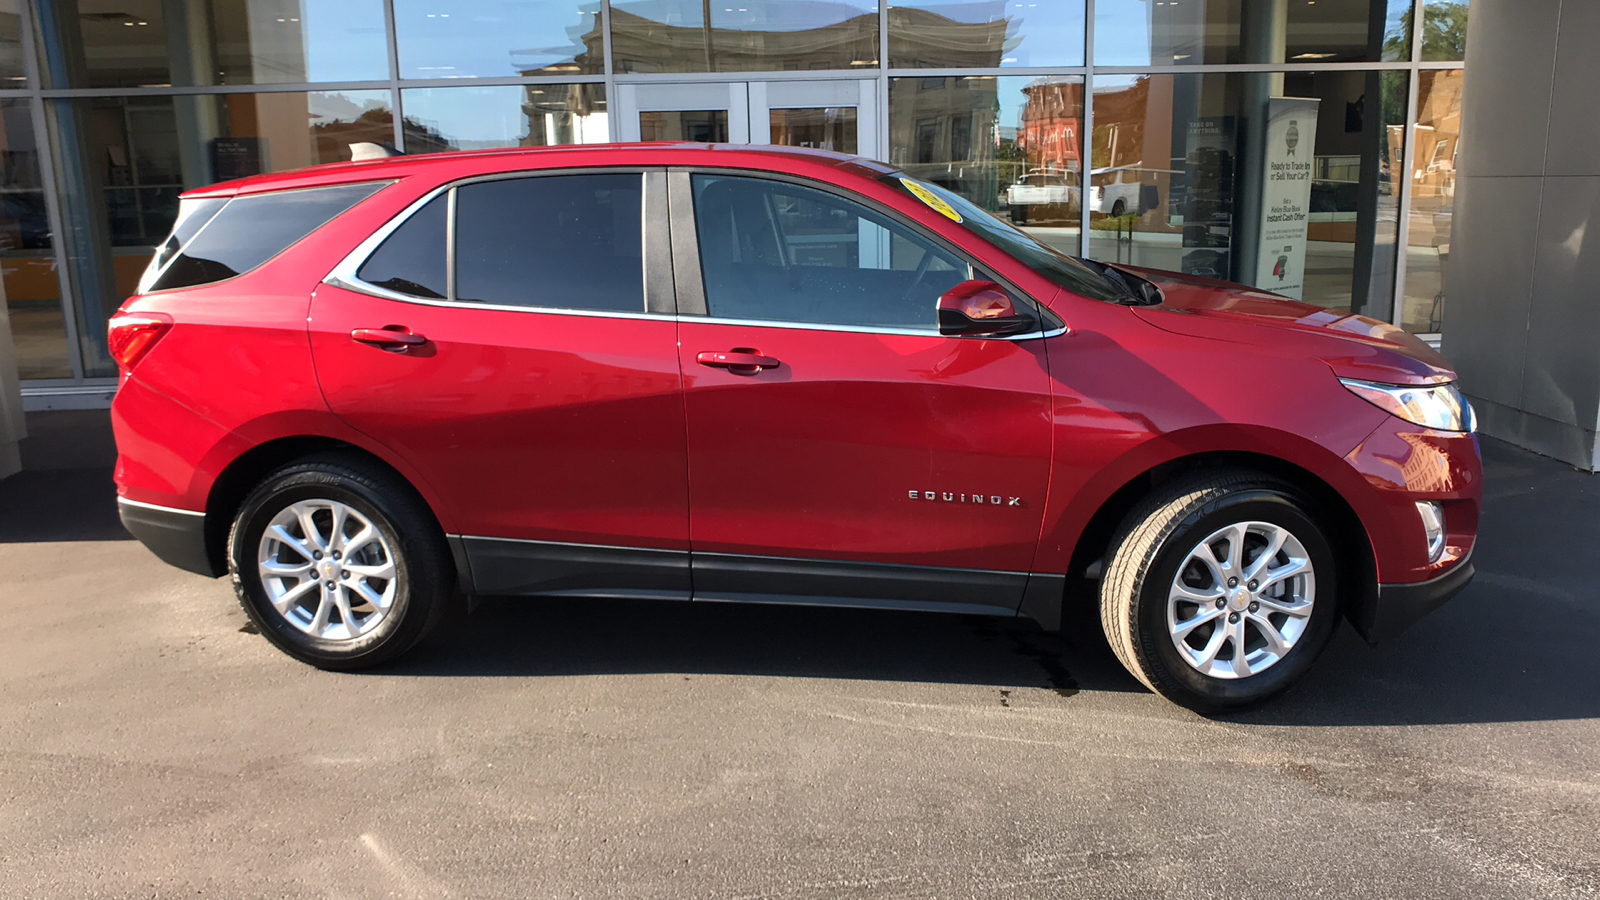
(1128, 130)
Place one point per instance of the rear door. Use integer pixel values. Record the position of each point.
(840, 448)
(534, 383)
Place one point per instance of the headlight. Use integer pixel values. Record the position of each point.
(1438, 406)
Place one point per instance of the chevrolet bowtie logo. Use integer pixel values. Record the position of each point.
(951, 497)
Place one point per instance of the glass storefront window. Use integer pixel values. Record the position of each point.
(1444, 31)
(145, 43)
(703, 126)
(942, 34)
(478, 118)
(1012, 145)
(1433, 193)
(124, 160)
(1195, 32)
(11, 71)
(498, 38)
(1180, 176)
(27, 262)
(828, 128)
(750, 36)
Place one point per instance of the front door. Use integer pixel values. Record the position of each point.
(840, 448)
(825, 115)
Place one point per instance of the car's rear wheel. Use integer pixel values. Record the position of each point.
(1220, 590)
(1118, 208)
(339, 563)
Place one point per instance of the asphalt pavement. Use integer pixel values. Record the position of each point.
(151, 746)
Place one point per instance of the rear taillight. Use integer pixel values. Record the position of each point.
(131, 335)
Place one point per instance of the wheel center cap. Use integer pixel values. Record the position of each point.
(329, 569)
(1238, 599)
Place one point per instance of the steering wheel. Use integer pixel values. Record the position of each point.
(916, 278)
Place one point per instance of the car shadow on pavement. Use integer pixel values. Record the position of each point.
(62, 505)
(574, 637)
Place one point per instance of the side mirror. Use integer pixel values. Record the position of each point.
(981, 308)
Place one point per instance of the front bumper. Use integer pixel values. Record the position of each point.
(176, 536)
(1397, 607)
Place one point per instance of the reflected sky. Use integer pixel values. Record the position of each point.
(489, 38)
(1038, 32)
(1123, 29)
(749, 15)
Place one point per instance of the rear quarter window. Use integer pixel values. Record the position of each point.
(244, 233)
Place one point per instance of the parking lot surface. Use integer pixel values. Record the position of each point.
(151, 747)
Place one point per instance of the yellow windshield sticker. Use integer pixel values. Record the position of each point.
(934, 202)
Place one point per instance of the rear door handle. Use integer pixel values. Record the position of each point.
(397, 338)
(739, 360)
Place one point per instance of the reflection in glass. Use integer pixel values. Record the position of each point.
(1194, 32)
(27, 267)
(1181, 157)
(1433, 193)
(943, 34)
(1444, 31)
(478, 118)
(833, 128)
(706, 126)
(751, 36)
(1010, 144)
(488, 38)
(124, 160)
(143, 43)
(11, 73)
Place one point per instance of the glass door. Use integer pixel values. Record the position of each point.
(828, 115)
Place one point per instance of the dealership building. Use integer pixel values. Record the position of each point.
(1450, 200)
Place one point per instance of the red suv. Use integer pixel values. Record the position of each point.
(695, 372)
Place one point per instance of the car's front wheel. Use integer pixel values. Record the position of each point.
(339, 563)
(1219, 591)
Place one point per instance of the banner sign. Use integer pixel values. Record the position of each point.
(1286, 196)
(1210, 155)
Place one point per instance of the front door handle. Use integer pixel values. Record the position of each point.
(395, 338)
(739, 360)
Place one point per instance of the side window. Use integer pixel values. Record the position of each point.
(552, 241)
(775, 251)
(247, 231)
(411, 260)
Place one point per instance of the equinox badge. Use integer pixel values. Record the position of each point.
(948, 497)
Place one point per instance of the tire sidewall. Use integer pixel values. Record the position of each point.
(1151, 627)
(244, 543)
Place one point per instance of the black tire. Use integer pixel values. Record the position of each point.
(425, 572)
(1145, 557)
(1118, 208)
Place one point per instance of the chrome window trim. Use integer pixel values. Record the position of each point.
(864, 329)
(344, 274)
(1047, 317)
(362, 287)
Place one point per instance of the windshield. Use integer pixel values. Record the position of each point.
(1068, 272)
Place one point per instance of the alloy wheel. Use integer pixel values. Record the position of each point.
(327, 569)
(1241, 600)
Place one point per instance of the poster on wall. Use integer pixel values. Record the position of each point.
(238, 157)
(1286, 196)
(1209, 158)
